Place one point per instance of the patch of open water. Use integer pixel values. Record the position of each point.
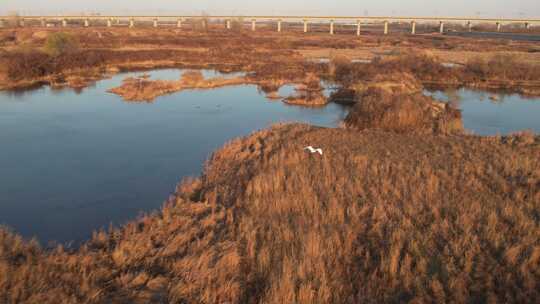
(75, 162)
(491, 114)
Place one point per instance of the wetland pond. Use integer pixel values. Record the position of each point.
(71, 163)
(493, 114)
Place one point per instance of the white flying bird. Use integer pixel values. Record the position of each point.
(313, 150)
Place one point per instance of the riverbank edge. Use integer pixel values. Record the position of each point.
(79, 79)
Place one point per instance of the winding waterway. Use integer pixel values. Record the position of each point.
(75, 162)
(71, 163)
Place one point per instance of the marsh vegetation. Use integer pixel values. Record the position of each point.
(382, 217)
(401, 207)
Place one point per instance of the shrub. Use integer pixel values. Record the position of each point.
(396, 103)
(237, 25)
(24, 64)
(61, 43)
(192, 76)
(200, 24)
(339, 67)
(28, 64)
(422, 65)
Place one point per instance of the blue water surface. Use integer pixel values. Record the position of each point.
(72, 162)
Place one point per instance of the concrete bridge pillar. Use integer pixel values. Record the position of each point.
(331, 27)
(64, 22)
(22, 23)
(109, 22)
(86, 22)
(228, 24)
(155, 22)
(305, 26)
(43, 22)
(469, 26)
(527, 25)
(358, 28)
(441, 27)
(498, 26)
(253, 25)
(2, 23)
(279, 26)
(386, 27)
(179, 23)
(413, 28)
(131, 23)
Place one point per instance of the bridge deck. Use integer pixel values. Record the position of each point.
(284, 18)
(358, 20)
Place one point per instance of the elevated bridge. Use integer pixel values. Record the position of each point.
(156, 21)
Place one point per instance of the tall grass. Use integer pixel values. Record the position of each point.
(396, 212)
(395, 102)
(271, 57)
(422, 65)
(377, 109)
(502, 67)
(58, 44)
(27, 65)
(380, 217)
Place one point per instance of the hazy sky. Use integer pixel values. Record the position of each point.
(485, 8)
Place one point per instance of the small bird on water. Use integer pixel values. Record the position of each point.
(313, 150)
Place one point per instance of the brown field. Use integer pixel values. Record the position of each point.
(402, 206)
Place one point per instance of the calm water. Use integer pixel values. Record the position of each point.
(484, 116)
(71, 163)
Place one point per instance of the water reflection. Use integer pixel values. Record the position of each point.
(490, 114)
(73, 163)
